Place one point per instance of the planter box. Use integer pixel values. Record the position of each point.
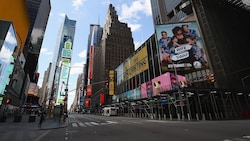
(17, 118)
(32, 118)
(3, 118)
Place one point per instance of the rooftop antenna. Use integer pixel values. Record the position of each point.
(99, 19)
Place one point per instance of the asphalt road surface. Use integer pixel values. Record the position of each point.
(87, 127)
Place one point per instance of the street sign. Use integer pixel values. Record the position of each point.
(180, 56)
(182, 48)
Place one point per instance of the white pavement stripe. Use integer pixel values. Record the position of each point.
(111, 122)
(81, 124)
(246, 137)
(94, 123)
(88, 123)
(74, 124)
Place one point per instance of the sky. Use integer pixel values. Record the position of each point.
(136, 13)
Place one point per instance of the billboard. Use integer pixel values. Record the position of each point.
(165, 82)
(89, 90)
(136, 64)
(111, 82)
(180, 46)
(132, 66)
(91, 59)
(33, 89)
(102, 96)
(63, 82)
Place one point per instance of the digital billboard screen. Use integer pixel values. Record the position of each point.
(165, 82)
(180, 46)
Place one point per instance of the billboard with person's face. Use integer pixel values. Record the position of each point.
(180, 46)
(165, 82)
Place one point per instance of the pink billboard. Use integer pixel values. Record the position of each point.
(165, 82)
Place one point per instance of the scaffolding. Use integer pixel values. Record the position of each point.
(197, 104)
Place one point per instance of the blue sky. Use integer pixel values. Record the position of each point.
(137, 13)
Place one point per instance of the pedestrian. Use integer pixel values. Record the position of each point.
(41, 119)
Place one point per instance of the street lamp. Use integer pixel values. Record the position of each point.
(242, 80)
(179, 92)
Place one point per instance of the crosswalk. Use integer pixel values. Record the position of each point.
(243, 138)
(91, 123)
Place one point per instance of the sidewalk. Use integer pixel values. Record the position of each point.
(49, 123)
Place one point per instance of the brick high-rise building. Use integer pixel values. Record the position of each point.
(116, 45)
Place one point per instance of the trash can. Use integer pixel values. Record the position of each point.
(17, 118)
(32, 118)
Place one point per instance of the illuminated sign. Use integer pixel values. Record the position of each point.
(165, 82)
(136, 64)
(66, 53)
(111, 82)
(68, 45)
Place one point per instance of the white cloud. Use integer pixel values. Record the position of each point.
(77, 4)
(106, 2)
(5, 54)
(83, 54)
(62, 15)
(138, 6)
(77, 68)
(45, 51)
(137, 45)
(134, 27)
(10, 38)
(133, 13)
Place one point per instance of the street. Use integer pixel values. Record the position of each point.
(87, 127)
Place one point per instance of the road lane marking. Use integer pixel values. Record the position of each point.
(81, 124)
(42, 135)
(111, 122)
(94, 123)
(74, 124)
(88, 123)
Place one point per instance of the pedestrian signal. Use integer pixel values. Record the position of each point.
(8, 100)
(212, 78)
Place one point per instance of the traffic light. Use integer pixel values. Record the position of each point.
(212, 78)
(7, 100)
(107, 84)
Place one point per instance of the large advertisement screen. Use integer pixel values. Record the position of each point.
(132, 66)
(180, 46)
(64, 75)
(165, 82)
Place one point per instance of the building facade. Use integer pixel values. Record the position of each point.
(14, 24)
(190, 76)
(61, 65)
(116, 45)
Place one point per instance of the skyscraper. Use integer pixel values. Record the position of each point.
(60, 69)
(219, 31)
(38, 14)
(93, 49)
(117, 44)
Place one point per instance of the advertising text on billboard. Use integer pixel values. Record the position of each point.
(181, 43)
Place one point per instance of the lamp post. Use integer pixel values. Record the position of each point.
(179, 92)
(242, 80)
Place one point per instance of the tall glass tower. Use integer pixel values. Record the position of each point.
(59, 74)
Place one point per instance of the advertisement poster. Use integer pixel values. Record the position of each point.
(180, 46)
(165, 82)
